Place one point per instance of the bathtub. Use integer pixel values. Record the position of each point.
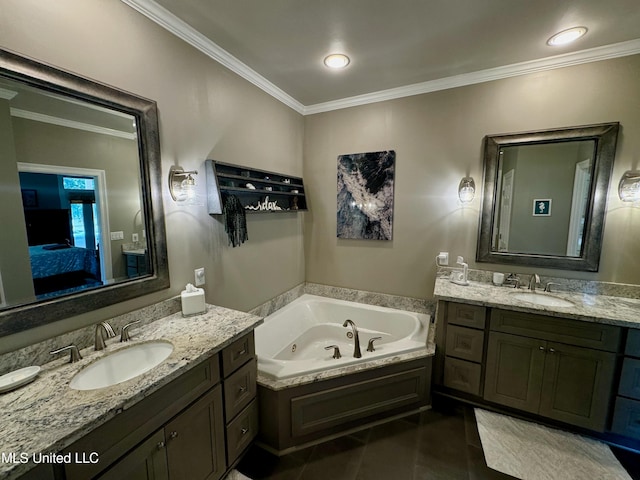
(292, 340)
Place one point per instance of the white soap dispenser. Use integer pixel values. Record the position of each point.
(460, 277)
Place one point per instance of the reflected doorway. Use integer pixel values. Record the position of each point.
(65, 215)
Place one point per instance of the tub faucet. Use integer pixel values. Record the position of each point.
(103, 329)
(356, 338)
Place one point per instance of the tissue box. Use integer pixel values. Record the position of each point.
(192, 302)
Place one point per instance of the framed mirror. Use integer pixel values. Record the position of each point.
(80, 198)
(545, 197)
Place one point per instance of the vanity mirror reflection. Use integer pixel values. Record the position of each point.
(80, 195)
(545, 197)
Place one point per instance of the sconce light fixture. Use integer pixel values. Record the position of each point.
(466, 190)
(182, 185)
(629, 186)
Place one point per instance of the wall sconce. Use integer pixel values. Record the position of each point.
(466, 190)
(182, 185)
(629, 186)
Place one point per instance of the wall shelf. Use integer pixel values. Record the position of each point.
(273, 192)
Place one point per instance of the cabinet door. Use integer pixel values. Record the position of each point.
(515, 366)
(148, 461)
(195, 440)
(577, 385)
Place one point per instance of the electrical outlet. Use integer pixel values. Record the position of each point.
(134, 237)
(199, 274)
(117, 235)
(442, 259)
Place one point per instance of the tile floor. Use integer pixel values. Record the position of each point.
(440, 444)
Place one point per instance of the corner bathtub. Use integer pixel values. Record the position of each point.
(292, 340)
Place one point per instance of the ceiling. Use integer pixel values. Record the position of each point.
(398, 47)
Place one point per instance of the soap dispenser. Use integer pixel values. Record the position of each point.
(460, 277)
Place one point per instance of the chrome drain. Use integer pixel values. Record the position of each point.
(293, 348)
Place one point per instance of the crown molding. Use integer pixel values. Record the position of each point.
(184, 31)
(62, 122)
(6, 94)
(181, 29)
(606, 52)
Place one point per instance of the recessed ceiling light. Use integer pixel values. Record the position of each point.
(336, 60)
(566, 36)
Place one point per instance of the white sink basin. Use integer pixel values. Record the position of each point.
(122, 365)
(543, 299)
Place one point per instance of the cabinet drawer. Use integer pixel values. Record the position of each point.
(630, 378)
(462, 375)
(236, 354)
(571, 332)
(466, 315)
(239, 389)
(626, 418)
(241, 431)
(633, 343)
(464, 343)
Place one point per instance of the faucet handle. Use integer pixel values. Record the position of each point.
(547, 287)
(125, 336)
(336, 351)
(75, 353)
(370, 344)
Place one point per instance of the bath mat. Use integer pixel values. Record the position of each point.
(236, 475)
(530, 451)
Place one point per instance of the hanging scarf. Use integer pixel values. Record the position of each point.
(235, 220)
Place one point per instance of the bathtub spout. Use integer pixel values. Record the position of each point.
(356, 338)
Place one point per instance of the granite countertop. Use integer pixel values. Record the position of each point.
(607, 309)
(47, 416)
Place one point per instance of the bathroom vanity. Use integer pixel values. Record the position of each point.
(573, 364)
(192, 416)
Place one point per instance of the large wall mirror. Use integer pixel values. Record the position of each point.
(83, 223)
(545, 197)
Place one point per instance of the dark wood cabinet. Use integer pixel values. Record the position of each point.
(515, 367)
(194, 428)
(195, 440)
(460, 340)
(148, 461)
(559, 368)
(558, 381)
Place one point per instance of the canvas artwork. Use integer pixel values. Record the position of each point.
(365, 195)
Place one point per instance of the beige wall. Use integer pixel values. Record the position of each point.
(438, 140)
(208, 111)
(204, 111)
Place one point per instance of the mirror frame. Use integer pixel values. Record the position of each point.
(605, 136)
(52, 79)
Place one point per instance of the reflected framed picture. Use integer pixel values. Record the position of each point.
(29, 198)
(542, 207)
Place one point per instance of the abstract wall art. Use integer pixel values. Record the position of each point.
(365, 195)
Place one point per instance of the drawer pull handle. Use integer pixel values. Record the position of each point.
(160, 445)
(242, 389)
(542, 349)
(244, 431)
(242, 352)
(173, 434)
(551, 350)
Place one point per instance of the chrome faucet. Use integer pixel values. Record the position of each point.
(103, 329)
(534, 281)
(356, 338)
